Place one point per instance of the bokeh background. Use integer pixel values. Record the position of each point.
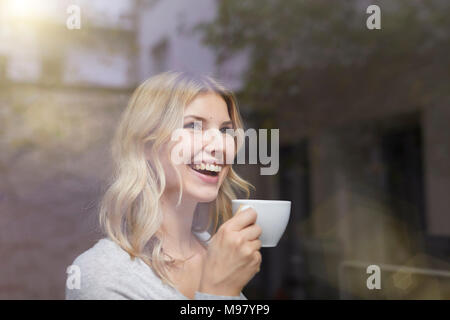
(364, 132)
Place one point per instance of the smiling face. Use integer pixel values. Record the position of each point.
(203, 169)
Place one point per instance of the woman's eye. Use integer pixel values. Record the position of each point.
(193, 125)
(224, 129)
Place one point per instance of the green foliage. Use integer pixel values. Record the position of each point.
(318, 55)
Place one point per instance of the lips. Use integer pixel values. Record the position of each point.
(208, 173)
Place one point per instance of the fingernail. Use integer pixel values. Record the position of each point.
(245, 207)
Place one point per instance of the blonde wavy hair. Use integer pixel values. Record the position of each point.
(130, 213)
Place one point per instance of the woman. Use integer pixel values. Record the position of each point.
(158, 214)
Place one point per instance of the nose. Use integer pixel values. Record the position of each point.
(213, 144)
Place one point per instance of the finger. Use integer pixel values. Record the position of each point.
(255, 244)
(241, 208)
(243, 218)
(251, 232)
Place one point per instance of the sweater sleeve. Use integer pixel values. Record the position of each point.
(207, 296)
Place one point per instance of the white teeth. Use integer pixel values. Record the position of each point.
(209, 167)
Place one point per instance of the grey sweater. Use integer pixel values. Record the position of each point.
(108, 273)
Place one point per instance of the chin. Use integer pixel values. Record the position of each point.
(205, 198)
(200, 193)
(203, 184)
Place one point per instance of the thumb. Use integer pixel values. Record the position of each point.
(242, 207)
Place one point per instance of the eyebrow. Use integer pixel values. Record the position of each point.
(203, 119)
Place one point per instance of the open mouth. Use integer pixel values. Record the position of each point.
(207, 169)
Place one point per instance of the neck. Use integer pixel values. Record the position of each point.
(177, 224)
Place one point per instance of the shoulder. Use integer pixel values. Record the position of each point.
(105, 256)
(105, 271)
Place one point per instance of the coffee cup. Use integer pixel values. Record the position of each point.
(272, 217)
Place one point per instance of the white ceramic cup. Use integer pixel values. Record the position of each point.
(273, 217)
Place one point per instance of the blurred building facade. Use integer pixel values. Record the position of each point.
(61, 93)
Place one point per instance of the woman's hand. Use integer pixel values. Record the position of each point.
(233, 256)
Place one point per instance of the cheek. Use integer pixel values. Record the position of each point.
(196, 144)
(192, 145)
(172, 177)
(182, 151)
(173, 154)
(169, 172)
(229, 150)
